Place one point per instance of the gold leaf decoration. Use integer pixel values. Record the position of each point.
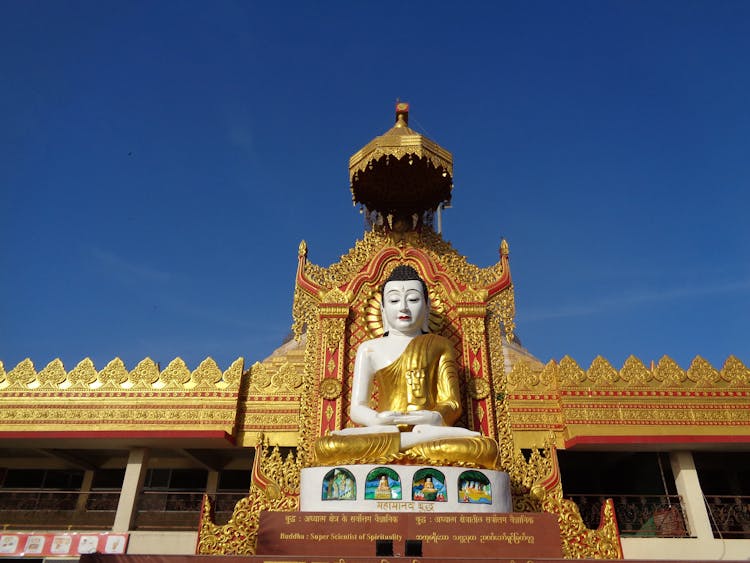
(634, 372)
(83, 375)
(113, 374)
(548, 377)
(330, 389)
(733, 372)
(175, 375)
(290, 377)
(702, 373)
(144, 375)
(52, 375)
(601, 371)
(333, 329)
(233, 375)
(22, 375)
(260, 377)
(207, 374)
(570, 372)
(668, 372)
(478, 388)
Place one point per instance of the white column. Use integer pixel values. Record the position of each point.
(135, 473)
(689, 488)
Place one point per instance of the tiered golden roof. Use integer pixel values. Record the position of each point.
(401, 173)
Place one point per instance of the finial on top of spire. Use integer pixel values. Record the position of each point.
(402, 114)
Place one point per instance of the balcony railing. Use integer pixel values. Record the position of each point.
(730, 516)
(42, 509)
(658, 516)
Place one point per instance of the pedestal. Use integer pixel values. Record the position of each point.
(404, 488)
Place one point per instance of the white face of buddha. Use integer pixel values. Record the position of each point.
(404, 307)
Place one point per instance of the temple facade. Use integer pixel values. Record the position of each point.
(634, 461)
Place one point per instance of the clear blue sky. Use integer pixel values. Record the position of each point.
(161, 162)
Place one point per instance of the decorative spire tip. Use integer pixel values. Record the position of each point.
(402, 114)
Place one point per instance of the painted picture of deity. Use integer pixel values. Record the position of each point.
(339, 484)
(474, 488)
(429, 485)
(383, 484)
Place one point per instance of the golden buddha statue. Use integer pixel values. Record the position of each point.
(418, 392)
(383, 492)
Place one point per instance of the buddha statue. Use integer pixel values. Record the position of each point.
(418, 392)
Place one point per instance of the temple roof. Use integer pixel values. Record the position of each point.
(401, 173)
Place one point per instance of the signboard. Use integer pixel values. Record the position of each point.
(448, 535)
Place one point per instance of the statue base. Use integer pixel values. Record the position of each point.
(461, 536)
(404, 488)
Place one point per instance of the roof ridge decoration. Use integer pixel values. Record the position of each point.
(146, 375)
(114, 403)
(634, 374)
(660, 404)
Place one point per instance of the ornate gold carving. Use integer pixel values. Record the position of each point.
(522, 378)
(53, 375)
(601, 371)
(734, 372)
(455, 265)
(333, 331)
(668, 372)
(504, 248)
(275, 487)
(478, 388)
(504, 306)
(22, 375)
(578, 542)
(115, 375)
(473, 332)
(175, 375)
(260, 377)
(330, 389)
(570, 372)
(667, 375)
(275, 379)
(114, 398)
(471, 301)
(703, 373)
(207, 375)
(636, 401)
(310, 400)
(633, 372)
(144, 375)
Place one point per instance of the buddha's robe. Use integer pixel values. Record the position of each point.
(424, 377)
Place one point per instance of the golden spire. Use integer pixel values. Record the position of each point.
(401, 173)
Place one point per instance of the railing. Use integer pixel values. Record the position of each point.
(53, 510)
(730, 516)
(165, 510)
(650, 516)
(42, 509)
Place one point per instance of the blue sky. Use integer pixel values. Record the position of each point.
(161, 162)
